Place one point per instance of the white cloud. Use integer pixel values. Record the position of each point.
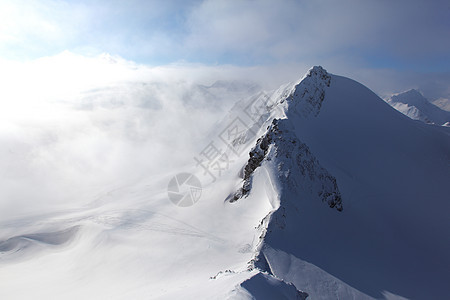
(31, 29)
(251, 32)
(71, 125)
(301, 30)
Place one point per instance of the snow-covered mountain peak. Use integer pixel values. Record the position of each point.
(412, 92)
(302, 98)
(322, 142)
(307, 96)
(414, 105)
(317, 72)
(412, 97)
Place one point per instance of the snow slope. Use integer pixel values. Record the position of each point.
(413, 104)
(321, 190)
(392, 173)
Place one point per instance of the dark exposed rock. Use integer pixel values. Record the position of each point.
(296, 165)
(309, 94)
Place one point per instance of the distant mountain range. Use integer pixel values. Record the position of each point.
(414, 105)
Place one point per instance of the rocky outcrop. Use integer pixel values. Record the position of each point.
(298, 172)
(296, 166)
(308, 95)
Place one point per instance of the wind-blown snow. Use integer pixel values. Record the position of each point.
(340, 197)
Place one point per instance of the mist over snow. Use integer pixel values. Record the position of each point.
(95, 152)
(215, 149)
(92, 186)
(71, 124)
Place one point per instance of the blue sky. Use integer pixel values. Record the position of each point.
(68, 108)
(399, 36)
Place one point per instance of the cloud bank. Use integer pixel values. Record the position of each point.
(71, 123)
(72, 126)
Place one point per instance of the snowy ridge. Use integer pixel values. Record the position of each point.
(326, 118)
(290, 163)
(296, 166)
(308, 95)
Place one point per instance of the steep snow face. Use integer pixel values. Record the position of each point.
(414, 105)
(392, 175)
(308, 95)
(296, 167)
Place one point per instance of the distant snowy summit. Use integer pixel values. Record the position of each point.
(414, 105)
(442, 103)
